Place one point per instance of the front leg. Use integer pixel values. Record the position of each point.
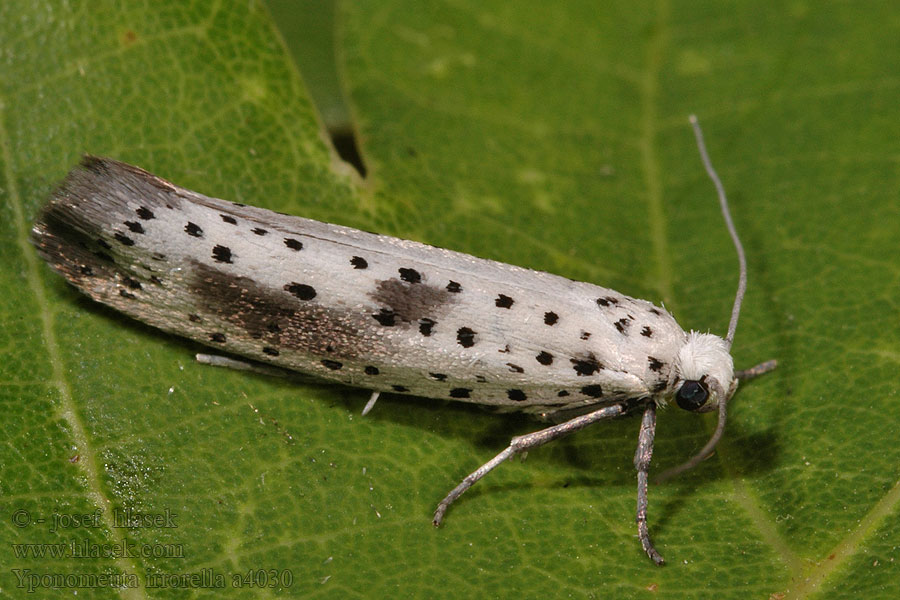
(524, 443)
(642, 463)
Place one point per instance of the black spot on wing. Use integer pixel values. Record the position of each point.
(193, 230)
(504, 301)
(607, 301)
(386, 317)
(145, 213)
(592, 391)
(586, 366)
(426, 326)
(221, 254)
(295, 245)
(545, 358)
(516, 395)
(300, 290)
(123, 239)
(465, 337)
(410, 275)
(622, 325)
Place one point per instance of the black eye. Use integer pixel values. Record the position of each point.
(692, 395)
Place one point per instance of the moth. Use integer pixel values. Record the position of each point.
(382, 313)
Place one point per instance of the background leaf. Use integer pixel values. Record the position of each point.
(545, 135)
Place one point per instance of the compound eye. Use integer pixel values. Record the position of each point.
(692, 395)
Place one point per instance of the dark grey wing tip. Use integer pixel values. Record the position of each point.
(74, 230)
(101, 177)
(98, 185)
(111, 168)
(82, 181)
(97, 164)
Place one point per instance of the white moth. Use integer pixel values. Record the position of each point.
(378, 312)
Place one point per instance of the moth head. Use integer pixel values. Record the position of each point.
(705, 373)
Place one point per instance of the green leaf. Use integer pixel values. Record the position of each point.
(552, 136)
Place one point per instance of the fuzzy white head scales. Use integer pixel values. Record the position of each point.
(705, 358)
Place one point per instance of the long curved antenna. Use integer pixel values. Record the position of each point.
(735, 310)
(752, 372)
(723, 203)
(704, 452)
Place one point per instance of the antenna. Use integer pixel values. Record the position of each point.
(726, 212)
(735, 310)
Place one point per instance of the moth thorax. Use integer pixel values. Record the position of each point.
(706, 368)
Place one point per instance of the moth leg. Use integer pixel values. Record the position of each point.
(760, 369)
(523, 443)
(217, 360)
(642, 463)
(371, 403)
